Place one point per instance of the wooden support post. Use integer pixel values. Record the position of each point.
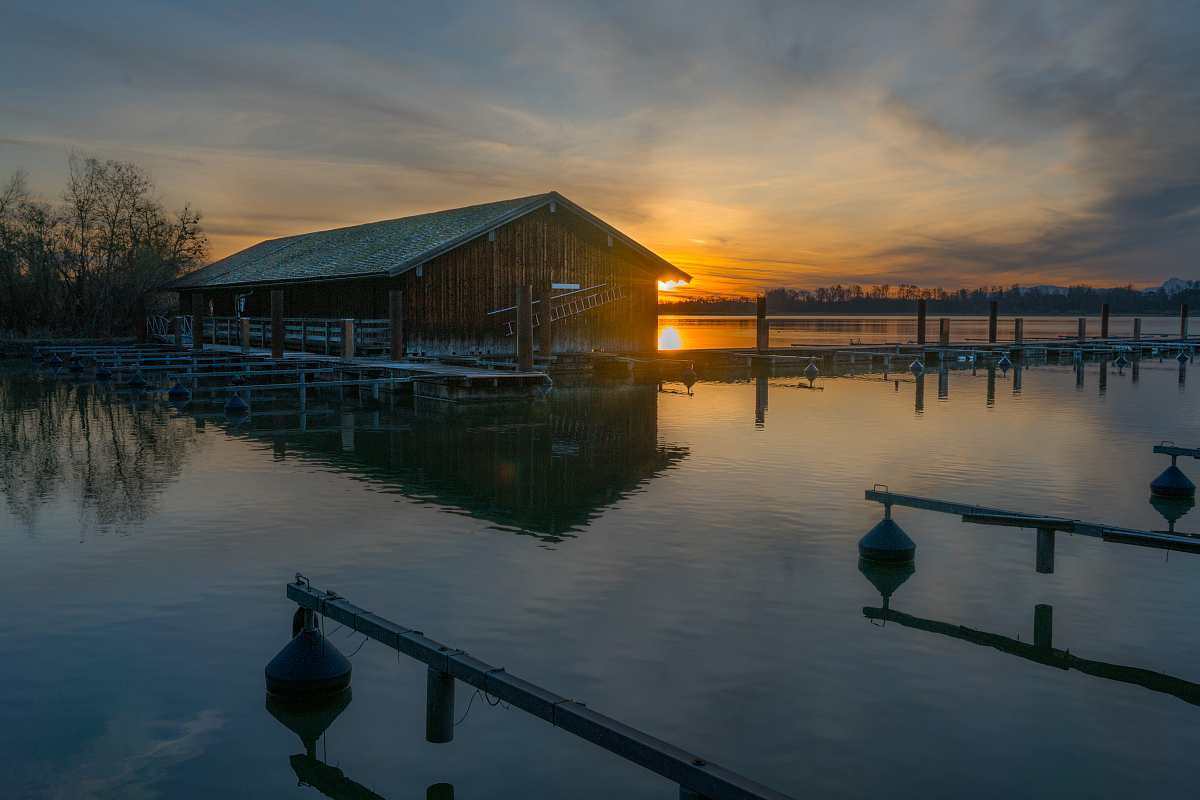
(179, 331)
(1082, 330)
(1104, 321)
(525, 329)
(303, 336)
(1137, 329)
(992, 322)
(347, 340)
(439, 707)
(328, 333)
(1183, 315)
(921, 321)
(943, 332)
(545, 328)
(1043, 626)
(277, 331)
(396, 324)
(139, 320)
(1018, 331)
(245, 335)
(197, 321)
(1045, 551)
(943, 382)
(763, 338)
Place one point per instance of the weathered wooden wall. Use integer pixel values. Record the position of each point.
(446, 307)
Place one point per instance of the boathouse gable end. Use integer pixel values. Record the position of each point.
(458, 271)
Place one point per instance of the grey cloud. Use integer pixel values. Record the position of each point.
(477, 100)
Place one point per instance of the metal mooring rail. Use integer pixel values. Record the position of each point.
(691, 772)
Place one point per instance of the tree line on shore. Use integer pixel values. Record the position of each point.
(854, 299)
(81, 265)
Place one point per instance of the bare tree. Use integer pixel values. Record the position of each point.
(81, 267)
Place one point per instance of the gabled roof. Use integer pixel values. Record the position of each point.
(386, 248)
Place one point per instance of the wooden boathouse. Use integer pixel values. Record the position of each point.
(448, 283)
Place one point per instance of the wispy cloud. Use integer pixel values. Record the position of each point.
(757, 143)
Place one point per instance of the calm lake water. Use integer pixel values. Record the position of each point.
(684, 563)
(676, 333)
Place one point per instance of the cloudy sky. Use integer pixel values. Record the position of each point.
(754, 143)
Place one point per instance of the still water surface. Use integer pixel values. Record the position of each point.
(684, 563)
(676, 332)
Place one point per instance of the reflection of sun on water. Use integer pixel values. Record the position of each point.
(669, 339)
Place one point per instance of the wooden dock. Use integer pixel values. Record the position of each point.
(457, 380)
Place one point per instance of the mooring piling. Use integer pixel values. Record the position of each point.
(197, 321)
(1018, 331)
(347, 340)
(921, 321)
(525, 328)
(396, 347)
(1183, 320)
(1082, 337)
(439, 707)
(943, 332)
(446, 665)
(763, 332)
(992, 312)
(1045, 551)
(1104, 321)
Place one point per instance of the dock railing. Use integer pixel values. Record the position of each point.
(305, 335)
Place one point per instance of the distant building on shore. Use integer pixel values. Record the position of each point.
(458, 271)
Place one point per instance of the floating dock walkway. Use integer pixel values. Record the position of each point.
(698, 778)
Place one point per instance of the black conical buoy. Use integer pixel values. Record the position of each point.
(136, 380)
(887, 542)
(75, 365)
(54, 361)
(1182, 357)
(1004, 363)
(178, 392)
(236, 405)
(1121, 361)
(812, 370)
(1172, 483)
(308, 666)
(916, 367)
(37, 356)
(103, 373)
(237, 380)
(689, 376)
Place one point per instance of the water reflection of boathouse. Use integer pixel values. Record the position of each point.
(544, 469)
